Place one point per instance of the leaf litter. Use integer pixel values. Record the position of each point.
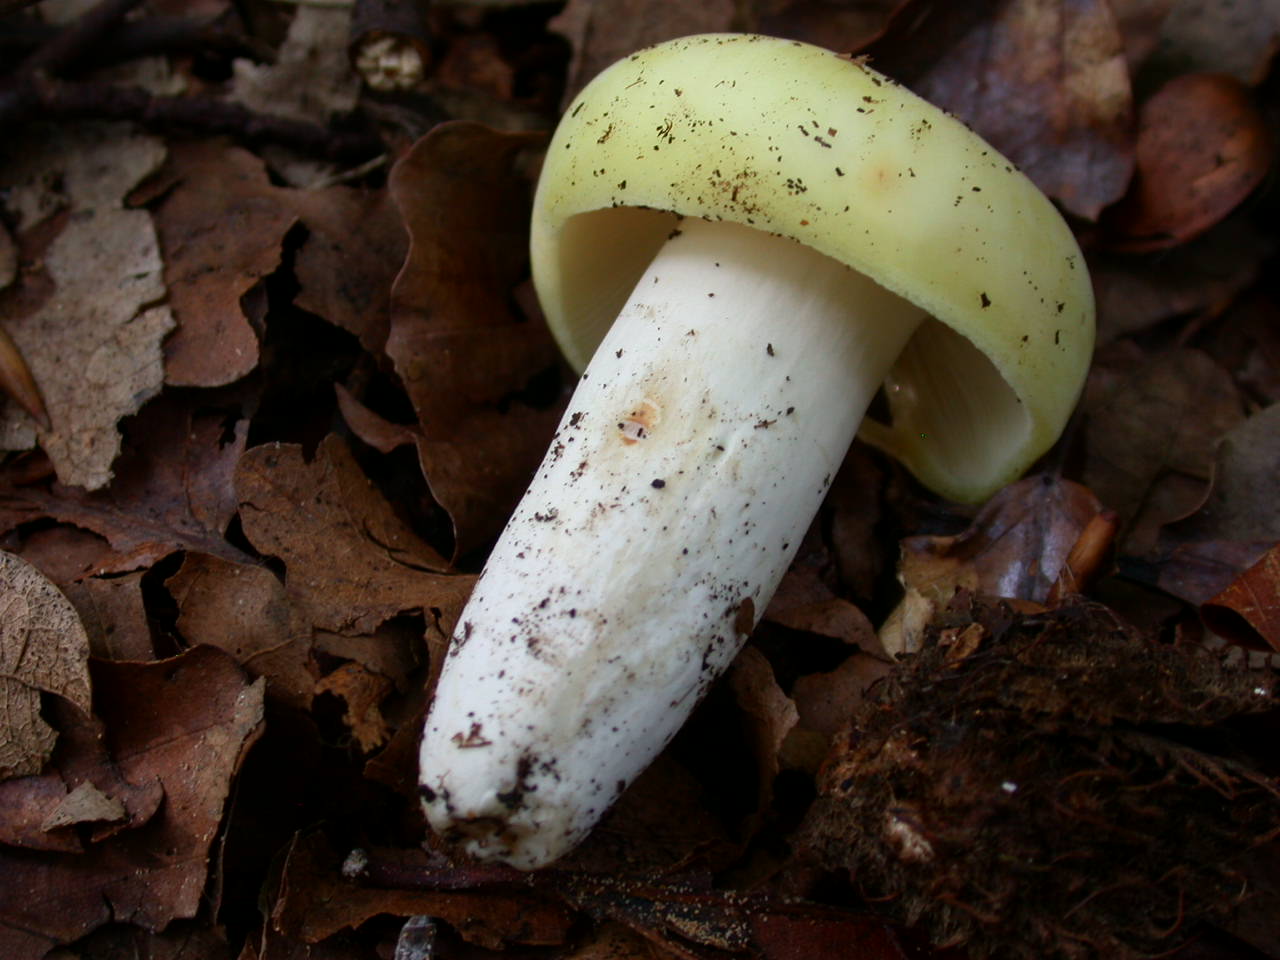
(293, 398)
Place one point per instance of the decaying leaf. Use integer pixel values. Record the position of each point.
(463, 357)
(185, 723)
(1202, 148)
(362, 691)
(1239, 37)
(88, 326)
(1045, 82)
(1242, 505)
(43, 649)
(350, 563)
(1255, 597)
(1150, 435)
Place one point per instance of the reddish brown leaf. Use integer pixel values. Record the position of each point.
(458, 348)
(350, 563)
(362, 691)
(804, 602)
(814, 934)
(242, 608)
(185, 722)
(1200, 570)
(1255, 597)
(114, 616)
(1202, 148)
(769, 716)
(1045, 82)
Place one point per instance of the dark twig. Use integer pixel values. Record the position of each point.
(48, 98)
(77, 39)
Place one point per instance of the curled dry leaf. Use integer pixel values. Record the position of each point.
(839, 27)
(186, 723)
(350, 563)
(362, 691)
(1202, 148)
(43, 649)
(1255, 597)
(461, 353)
(1045, 82)
(770, 716)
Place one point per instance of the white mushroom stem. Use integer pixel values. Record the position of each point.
(692, 458)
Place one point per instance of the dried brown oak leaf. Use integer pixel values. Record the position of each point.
(243, 609)
(1048, 785)
(458, 347)
(186, 722)
(43, 649)
(1255, 597)
(1202, 148)
(1152, 425)
(221, 228)
(87, 319)
(1045, 81)
(350, 563)
(173, 491)
(28, 804)
(1242, 505)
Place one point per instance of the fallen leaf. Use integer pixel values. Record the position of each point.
(1140, 24)
(1255, 597)
(1239, 37)
(457, 346)
(769, 714)
(362, 691)
(601, 32)
(173, 491)
(1045, 83)
(184, 722)
(91, 336)
(43, 649)
(1135, 293)
(1202, 148)
(221, 229)
(1016, 547)
(350, 563)
(1199, 570)
(1246, 463)
(804, 602)
(85, 804)
(1150, 433)
(114, 615)
(243, 609)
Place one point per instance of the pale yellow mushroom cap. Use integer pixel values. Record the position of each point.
(799, 141)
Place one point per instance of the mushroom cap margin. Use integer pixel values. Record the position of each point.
(795, 140)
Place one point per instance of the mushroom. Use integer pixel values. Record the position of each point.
(748, 238)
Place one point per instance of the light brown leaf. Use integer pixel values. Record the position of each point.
(86, 320)
(1202, 148)
(43, 648)
(362, 691)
